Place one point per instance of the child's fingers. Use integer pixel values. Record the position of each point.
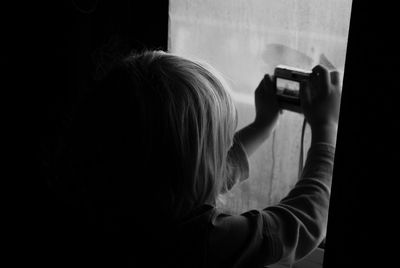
(260, 89)
(268, 79)
(305, 94)
(320, 72)
(269, 84)
(335, 77)
(319, 81)
(265, 87)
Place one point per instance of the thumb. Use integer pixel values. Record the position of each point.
(335, 77)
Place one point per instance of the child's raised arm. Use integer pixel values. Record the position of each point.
(267, 115)
(294, 227)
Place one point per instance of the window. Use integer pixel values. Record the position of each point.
(244, 39)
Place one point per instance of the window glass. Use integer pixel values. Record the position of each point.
(244, 39)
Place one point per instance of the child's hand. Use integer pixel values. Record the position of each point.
(267, 115)
(321, 102)
(267, 106)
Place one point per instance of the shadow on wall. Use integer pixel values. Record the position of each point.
(275, 54)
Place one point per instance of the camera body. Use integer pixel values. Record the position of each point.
(288, 82)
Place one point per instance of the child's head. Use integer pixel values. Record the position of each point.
(159, 124)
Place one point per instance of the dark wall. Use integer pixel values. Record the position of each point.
(77, 39)
(54, 50)
(362, 228)
(76, 44)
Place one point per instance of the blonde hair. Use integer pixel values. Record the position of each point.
(155, 130)
(199, 120)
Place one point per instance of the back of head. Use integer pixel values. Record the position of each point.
(151, 137)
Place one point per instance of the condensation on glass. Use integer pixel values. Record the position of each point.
(245, 39)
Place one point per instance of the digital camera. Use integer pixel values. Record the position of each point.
(288, 83)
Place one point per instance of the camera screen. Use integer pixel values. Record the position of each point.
(287, 87)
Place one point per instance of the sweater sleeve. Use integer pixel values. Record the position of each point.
(285, 232)
(297, 225)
